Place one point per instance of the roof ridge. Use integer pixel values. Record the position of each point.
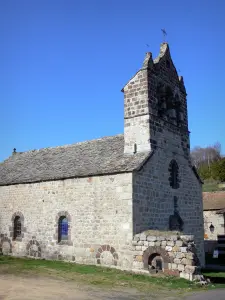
(64, 146)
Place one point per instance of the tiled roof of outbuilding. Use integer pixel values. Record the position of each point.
(214, 200)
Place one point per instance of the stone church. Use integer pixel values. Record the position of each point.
(108, 201)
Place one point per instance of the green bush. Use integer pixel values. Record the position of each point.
(218, 170)
(204, 172)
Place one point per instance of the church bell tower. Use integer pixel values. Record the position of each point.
(155, 106)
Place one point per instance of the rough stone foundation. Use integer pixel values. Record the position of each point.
(170, 253)
(151, 252)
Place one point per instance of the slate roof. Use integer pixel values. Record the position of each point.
(95, 157)
(214, 200)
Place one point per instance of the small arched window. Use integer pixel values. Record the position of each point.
(62, 229)
(17, 227)
(174, 174)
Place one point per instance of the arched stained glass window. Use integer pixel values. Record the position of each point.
(63, 229)
(17, 227)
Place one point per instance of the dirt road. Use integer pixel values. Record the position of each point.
(209, 295)
(39, 288)
(23, 288)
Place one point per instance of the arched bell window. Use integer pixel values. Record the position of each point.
(63, 229)
(174, 174)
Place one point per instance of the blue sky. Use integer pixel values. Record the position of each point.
(63, 64)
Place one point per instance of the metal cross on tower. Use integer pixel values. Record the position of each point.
(164, 35)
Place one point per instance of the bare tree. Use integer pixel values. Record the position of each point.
(206, 156)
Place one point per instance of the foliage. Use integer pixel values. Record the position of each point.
(218, 170)
(204, 172)
(209, 162)
(210, 185)
(205, 156)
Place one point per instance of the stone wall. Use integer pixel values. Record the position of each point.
(136, 113)
(154, 100)
(155, 201)
(99, 210)
(168, 252)
(156, 118)
(217, 220)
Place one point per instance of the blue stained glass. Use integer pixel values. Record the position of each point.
(64, 229)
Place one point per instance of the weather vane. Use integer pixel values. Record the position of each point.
(164, 35)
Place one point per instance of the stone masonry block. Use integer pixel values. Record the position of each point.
(174, 266)
(180, 255)
(190, 255)
(177, 260)
(169, 248)
(151, 244)
(180, 267)
(139, 258)
(151, 238)
(161, 238)
(190, 269)
(163, 243)
(143, 237)
(179, 243)
(170, 243)
(186, 261)
(173, 238)
(134, 243)
(138, 248)
(185, 275)
(136, 237)
(171, 254)
(143, 248)
(183, 249)
(140, 243)
(176, 249)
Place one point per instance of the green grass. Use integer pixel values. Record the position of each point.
(214, 274)
(211, 185)
(89, 274)
(103, 276)
(216, 277)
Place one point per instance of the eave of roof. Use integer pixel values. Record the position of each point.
(214, 200)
